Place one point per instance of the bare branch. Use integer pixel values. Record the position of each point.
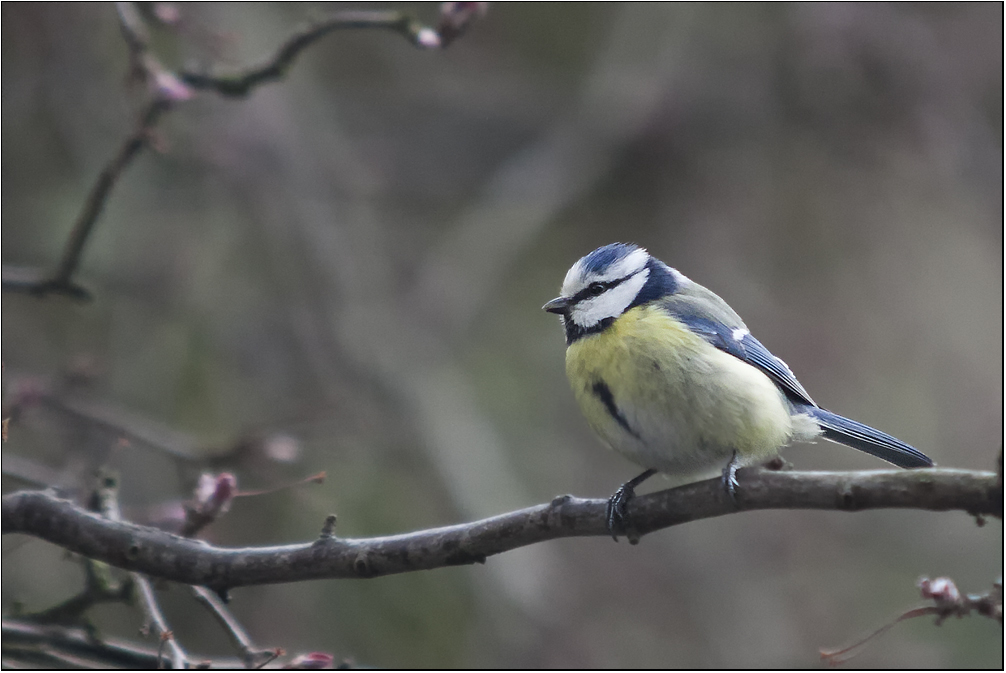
(159, 554)
(98, 196)
(948, 601)
(28, 471)
(21, 638)
(126, 424)
(29, 280)
(154, 618)
(240, 83)
(251, 655)
(166, 89)
(60, 281)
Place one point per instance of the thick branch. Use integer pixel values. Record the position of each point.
(242, 82)
(159, 554)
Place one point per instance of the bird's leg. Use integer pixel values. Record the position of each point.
(730, 482)
(616, 513)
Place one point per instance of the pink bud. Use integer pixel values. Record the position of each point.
(214, 493)
(942, 590)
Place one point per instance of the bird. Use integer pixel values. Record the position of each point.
(669, 376)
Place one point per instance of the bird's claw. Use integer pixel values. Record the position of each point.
(616, 514)
(730, 483)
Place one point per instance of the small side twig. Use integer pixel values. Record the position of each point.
(154, 619)
(240, 83)
(251, 655)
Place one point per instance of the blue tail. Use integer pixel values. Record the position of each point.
(874, 442)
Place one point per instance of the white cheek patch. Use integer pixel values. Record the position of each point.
(611, 304)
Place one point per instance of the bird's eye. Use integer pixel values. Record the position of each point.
(595, 289)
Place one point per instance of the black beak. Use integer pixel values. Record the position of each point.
(558, 305)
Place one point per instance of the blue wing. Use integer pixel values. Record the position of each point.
(716, 322)
(738, 342)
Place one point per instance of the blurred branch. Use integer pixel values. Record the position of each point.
(22, 639)
(948, 601)
(100, 587)
(166, 89)
(30, 391)
(60, 281)
(162, 555)
(251, 655)
(240, 83)
(22, 636)
(127, 425)
(27, 470)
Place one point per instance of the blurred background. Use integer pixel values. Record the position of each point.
(344, 272)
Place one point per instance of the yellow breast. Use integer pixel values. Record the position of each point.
(661, 395)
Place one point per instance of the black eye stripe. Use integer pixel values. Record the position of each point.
(586, 292)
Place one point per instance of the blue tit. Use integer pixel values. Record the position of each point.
(668, 375)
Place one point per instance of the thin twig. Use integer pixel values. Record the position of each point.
(60, 280)
(101, 588)
(21, 636)
(240, 83)
(947, 602)
(239, 637)
(125, 424)
(154, 618)
(164, 92)
(160, 554)
(166, 89)
(98, 196)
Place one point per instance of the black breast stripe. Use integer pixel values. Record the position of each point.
(603, 393)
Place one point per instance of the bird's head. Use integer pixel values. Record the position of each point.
(606, 283)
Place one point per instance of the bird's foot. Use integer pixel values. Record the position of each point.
(730, 483)
(616, 514)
